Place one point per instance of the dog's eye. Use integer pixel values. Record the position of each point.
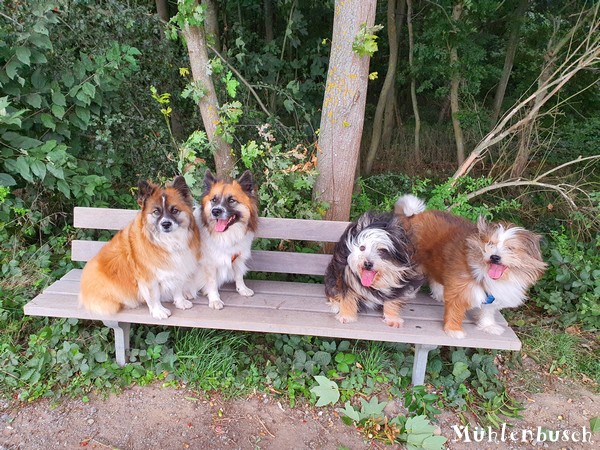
(213, 200)
(174, 210)
(362, 248)
(231, 200)
(156, 212)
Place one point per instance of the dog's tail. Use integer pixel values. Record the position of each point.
(408, 206)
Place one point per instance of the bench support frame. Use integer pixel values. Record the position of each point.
(420, 363)
(121, 330)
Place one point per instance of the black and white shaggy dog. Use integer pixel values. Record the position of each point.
(372, 267)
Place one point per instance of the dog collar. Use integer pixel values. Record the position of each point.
(489, 299)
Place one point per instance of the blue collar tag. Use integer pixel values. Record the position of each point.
(489, 299)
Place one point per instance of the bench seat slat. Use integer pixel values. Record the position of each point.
(288, 321)
(288, 229)
(292, 295)
(262, 260)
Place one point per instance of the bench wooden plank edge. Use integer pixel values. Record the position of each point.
(239, 318)
(268, 227)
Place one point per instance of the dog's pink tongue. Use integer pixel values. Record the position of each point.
(221, 225)
(367, 277)
(496, 270)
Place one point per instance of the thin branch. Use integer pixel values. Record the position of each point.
(558, 188)
(580, 159)
(243, 80)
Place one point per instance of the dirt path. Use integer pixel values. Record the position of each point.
(153, 417)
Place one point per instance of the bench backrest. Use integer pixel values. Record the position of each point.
(262, 261)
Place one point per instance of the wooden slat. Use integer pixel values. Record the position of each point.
(69, 285)
(268, 227)
(292, 296)
(264, 313)
(262, 261)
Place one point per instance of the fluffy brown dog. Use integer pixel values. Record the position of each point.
(485, 266)
(153, 258)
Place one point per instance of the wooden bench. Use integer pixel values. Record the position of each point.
(276, 307)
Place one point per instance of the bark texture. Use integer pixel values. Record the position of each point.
(342, 116)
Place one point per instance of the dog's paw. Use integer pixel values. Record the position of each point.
(457, 334)
(346, 319)
(160, 312)
(334, 306)
(245, 291)
(183, 304)
(394, 322)
(216, 304)
(189, 295)
(492, 329)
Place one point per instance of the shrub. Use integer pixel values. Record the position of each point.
(570, 288)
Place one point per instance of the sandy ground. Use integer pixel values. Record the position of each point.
(153, 417)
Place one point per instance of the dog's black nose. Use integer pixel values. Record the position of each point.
(495, 259)
(166, 225)
(216, 212)
(368, 265)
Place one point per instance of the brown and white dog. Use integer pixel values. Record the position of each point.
(153, 258)
(228, 217)
(488, 266)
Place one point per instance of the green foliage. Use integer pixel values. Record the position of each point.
(285, 178)
(415, 432)
(570, 287)
(327, 391)
(595, 424)
(365, 41)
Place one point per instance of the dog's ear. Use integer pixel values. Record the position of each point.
(209, 180)
(482, 225)
(145, 190)
(247, 182)
(181, 186)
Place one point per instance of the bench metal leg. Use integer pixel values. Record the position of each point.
(121, 330)
(420, 363)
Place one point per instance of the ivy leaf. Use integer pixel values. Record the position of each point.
(434, 443)
(47, 121)
(350, 412)
(38, 168)
(11, 68)
(162, 337)
(64, 188)
(372, 408)
(58, 111)
(7, 180)
(419, 425)
(59, 99)
(595, 424)
(327, 391)
(34, 100)
(23, 54)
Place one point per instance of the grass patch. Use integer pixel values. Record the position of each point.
(569, 353)
(209, 358)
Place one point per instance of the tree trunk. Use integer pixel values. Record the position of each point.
(342, 116)
(162, 9)
(391, 117)
(269, 36)
(454, 86)
(209, 106)
(413, 81)
(388, 85)
(212, 23)
(511, 49)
